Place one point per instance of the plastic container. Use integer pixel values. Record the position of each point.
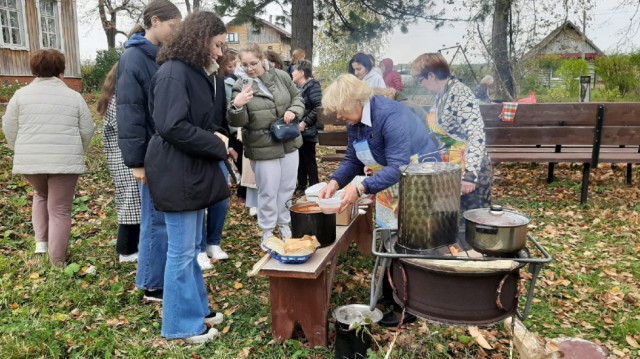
(312, 192)
(329, 205)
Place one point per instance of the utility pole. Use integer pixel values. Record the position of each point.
(584, 30)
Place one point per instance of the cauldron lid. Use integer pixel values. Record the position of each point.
(496, 216)
(356, 313)
(429, 168)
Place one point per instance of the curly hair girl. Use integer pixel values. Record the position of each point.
(192, 41)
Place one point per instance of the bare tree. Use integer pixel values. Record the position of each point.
(109, 10)
(192, 6)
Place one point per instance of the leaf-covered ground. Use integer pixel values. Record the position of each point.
(590, 290)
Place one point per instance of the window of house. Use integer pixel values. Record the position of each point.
(233, 38)
(12, 24)
(50, 33)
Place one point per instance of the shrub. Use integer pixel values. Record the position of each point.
(607, 95)
(93, 75)
(7, 89)
(570, 72)
(618, 72)
(556, 93)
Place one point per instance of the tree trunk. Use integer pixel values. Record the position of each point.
(500, 48)
(302, 26)
(111, 32)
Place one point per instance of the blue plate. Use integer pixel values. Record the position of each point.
(289, 259)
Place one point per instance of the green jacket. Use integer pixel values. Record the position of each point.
(256, 117)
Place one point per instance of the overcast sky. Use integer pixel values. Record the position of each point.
(604, 28)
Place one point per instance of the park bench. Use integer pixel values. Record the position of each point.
(586, 133)
(302, 292)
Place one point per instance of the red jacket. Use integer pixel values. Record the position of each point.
(391, 77)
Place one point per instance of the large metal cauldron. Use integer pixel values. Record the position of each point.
(429, 205)
(447, 295)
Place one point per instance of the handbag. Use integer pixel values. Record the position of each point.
(281, 131)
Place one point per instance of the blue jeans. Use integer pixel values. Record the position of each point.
(184, 302)
(152, 249)
(212, 227)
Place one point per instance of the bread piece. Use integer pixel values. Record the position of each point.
(301, 246)
(275, 244)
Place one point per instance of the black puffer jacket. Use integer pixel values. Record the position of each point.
(312, 95)
(182, 159)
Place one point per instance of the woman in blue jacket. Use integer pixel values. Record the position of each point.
(135, 126)
(189, 110)
(383, 135)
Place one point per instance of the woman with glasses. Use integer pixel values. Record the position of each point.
(260, 97)
(182, 166)
(458, 122)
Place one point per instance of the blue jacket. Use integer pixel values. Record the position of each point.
(181, 163)
(136, 67)
(396, 133)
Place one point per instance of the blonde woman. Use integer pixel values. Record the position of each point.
(260, 97)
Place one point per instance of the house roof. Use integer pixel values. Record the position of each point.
(567, 25)
(275, 27)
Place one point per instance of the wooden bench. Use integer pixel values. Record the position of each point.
(587, 133)
(302, 292)
(332, 136)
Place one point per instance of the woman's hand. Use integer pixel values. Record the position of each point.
(233, 154)
(243, 97)
(329, 190)
(349, 197)
(139, 175)
(467, 187)
(289, 116)
(302, 126)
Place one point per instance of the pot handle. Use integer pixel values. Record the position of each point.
(486, 229)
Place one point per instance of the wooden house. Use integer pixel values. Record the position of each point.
(269, 36)
(569, 42)
(29, 25)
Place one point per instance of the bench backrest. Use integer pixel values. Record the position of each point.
(542, 124)
(335, 137)
(621, 124)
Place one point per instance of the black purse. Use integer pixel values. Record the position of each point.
(281, 131)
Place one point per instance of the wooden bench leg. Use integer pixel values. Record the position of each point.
(585, 182)
(363, 230)
(299, 300)
(629, 174)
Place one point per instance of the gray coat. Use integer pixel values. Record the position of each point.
(256, 117)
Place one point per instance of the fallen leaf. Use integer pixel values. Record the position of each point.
(632, 341)
(226, 329)
(475, 333)
(34, 275)
(237, 285)
(15, 306)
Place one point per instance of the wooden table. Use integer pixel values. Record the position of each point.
(302, 292)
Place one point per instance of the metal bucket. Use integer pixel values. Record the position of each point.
(429, 205)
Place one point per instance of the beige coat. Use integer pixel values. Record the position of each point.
(49, 127)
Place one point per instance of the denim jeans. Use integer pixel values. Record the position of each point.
(184, 302)
(152, 249)
(212, 227)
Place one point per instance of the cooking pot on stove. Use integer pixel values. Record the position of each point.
(429, 205)
(495, 230)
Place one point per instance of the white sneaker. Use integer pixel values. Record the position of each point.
(214, 318)
(204, 262)
(253, 211)
(285, 231)
(209, 334)
(265, 236)
(42, 247)
(216, 252)
(128, 258)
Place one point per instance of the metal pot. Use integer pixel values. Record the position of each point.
(495, 230)
(429, 205)
(312, 222)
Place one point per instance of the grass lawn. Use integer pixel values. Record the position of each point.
(590, 290)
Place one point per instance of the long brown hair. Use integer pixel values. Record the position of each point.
(191, 42)
(274, 59)
(162, 9)
(108, 89)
